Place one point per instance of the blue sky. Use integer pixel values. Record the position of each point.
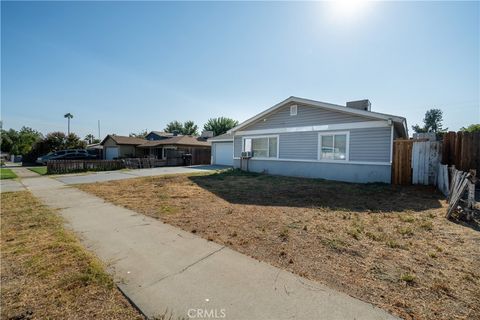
(137, 66)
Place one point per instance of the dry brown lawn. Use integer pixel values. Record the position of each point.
(386, 245)
(45, 272)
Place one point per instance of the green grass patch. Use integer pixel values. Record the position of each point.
(408, 278)
(39, 170)
(40, 256)
(7, 174)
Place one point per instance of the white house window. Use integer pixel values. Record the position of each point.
(334, 146)
(262, 147)
(293, 110)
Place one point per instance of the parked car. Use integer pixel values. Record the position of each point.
(70, 154)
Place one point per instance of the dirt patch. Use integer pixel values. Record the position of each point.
(386, 245)
(46, 274)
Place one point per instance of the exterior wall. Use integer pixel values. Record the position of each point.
(306, 116)
(366, 144)
(358, 173)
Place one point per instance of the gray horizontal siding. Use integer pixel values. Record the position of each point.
(368, 144)
(237, 146)
(299, 145)
(306, 116)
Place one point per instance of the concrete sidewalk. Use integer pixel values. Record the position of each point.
(163, 269)
(13, 185)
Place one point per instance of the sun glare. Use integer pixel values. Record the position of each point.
(346, 10)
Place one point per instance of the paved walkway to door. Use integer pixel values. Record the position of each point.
(163, 269)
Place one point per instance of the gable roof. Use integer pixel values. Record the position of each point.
(222, 137)
(177, 140)
(124, 140)
(401, 122)
(161, 133)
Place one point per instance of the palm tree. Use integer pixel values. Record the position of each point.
(68, 116)
(90, 138)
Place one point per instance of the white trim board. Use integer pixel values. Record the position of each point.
(319, 161)
(221, 140)
(327, 127)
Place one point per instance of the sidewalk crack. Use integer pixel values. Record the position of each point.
(187, 267)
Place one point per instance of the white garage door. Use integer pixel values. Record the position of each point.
(223, 153)
(111, 152)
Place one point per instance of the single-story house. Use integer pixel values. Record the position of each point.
(158, 146)
(306, 138)
(198, 147)
(121, 147)
(222, 149)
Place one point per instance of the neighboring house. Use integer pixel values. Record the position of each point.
(222, 149)
(121, 147)
(158, 146)
(188, 144)
(158, 135)
(306, 138)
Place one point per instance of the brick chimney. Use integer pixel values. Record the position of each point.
(364, 105)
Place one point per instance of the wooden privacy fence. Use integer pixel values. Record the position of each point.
(425, 160)
(462, 149)
(139, 163)
(178, 157)
(68, 166)
(402, 162)
(201, 156)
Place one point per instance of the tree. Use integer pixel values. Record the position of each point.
(186, 128)
(219, 125)
(471, 128)
(54, 141)
(19, 142)
(174, 126)
(190, 128)
(432, 122)
(141, 134)
(68, 116)
(73, 141)
(90, 138)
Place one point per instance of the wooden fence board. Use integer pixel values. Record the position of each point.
(462, 149)
(402, 162)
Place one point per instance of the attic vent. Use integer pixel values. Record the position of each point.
(293, 110)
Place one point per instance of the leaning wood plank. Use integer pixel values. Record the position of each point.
(457, 196)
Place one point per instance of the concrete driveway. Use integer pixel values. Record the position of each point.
(128, 174)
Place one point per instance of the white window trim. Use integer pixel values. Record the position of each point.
(333, 133)
(268, 150)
